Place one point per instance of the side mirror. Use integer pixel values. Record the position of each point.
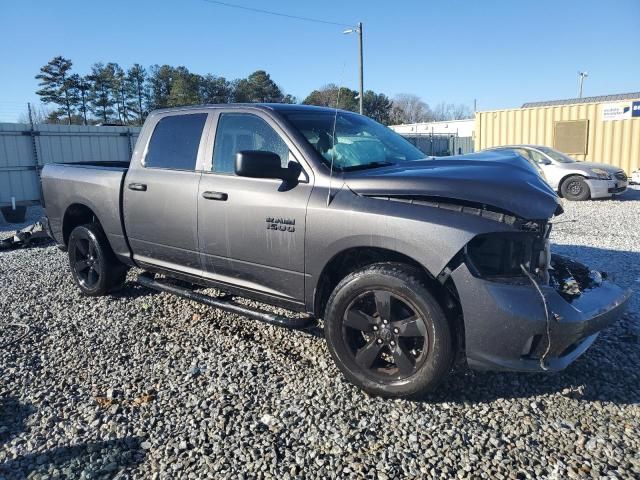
(544, 161)
(261, 164)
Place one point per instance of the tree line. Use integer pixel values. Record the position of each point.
(110, 94)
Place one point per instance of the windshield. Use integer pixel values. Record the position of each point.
(358, 143)
(556, 155)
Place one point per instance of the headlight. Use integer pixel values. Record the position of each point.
(601, 173)
(501, 254)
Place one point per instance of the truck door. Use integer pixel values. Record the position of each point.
(251, 230)
(160, 194)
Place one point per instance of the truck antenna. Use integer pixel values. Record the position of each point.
(333, 135)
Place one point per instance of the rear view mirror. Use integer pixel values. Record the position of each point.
(262, 164)
(258, 164)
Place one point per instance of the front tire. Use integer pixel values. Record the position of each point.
(387, 333)
(94, 267)
(575, 188)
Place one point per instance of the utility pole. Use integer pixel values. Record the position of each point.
(358, 30)
(30, 115)
(581, 77)
(361, 69)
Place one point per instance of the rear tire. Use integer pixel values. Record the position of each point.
(94, 266)
(574, 188)
(387, 333)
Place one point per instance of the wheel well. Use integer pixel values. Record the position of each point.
(76, 214)
(354, 259)
(564, 179)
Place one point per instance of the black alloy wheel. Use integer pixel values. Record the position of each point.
(387, 333)
(87, 263)
(94, 266)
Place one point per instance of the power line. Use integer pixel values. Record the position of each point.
(277, 14)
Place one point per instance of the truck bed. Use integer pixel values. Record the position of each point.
(96, 185)
(106, 165)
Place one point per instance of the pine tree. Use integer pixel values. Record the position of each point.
(215, 89)
(119, 92)
(80, 87)
(184, 88)
(102, 101)
(160, 82)
(377, 106)
(138, 90)
(56, 86)
(258, 87)
(333, 96)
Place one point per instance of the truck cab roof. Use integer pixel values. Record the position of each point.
(274, 107)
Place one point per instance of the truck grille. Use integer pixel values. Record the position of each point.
(621, 175)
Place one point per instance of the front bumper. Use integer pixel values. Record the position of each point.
(505, 325)
(606, 188)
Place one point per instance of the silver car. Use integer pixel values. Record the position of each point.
(573, 179)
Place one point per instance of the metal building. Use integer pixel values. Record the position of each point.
(600, 129)
(459, 128)
(451, 137)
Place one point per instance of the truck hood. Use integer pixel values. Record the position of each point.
(502, 179)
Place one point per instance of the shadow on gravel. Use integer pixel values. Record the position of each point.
(35, 245)
(630, 195)
(608, 371)
(131, 290)
(13, 416)
(107, 459)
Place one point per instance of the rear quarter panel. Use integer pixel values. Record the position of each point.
(98, 188)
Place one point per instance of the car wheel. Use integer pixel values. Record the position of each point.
(94, 266)
(387, 333)
(575, 188)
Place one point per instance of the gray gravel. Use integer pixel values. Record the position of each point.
(146, 385)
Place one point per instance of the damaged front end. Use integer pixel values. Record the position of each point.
(526, 309)
(523, 308)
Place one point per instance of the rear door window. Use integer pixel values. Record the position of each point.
(175, 141)
(242, 131)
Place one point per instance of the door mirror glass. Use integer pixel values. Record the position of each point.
(262, 164)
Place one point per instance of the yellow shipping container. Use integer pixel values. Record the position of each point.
(606, 132)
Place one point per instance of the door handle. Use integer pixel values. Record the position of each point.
(140, 187)
(215, 196)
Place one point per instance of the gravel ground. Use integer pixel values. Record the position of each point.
(146, 385)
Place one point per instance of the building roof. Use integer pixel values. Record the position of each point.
(569, 101)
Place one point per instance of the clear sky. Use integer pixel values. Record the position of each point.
(502, 53)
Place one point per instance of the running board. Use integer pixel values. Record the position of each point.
(227, 304)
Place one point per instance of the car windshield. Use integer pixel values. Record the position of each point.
(556, 155)
(352, 141)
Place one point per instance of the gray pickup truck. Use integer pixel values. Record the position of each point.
(412, 263)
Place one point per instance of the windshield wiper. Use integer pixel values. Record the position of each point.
(364, 166)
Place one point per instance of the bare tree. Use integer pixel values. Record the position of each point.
(450, 111)
(409, 108)
(39, 114)
(461, 111)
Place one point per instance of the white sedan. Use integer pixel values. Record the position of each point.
(573, 179)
